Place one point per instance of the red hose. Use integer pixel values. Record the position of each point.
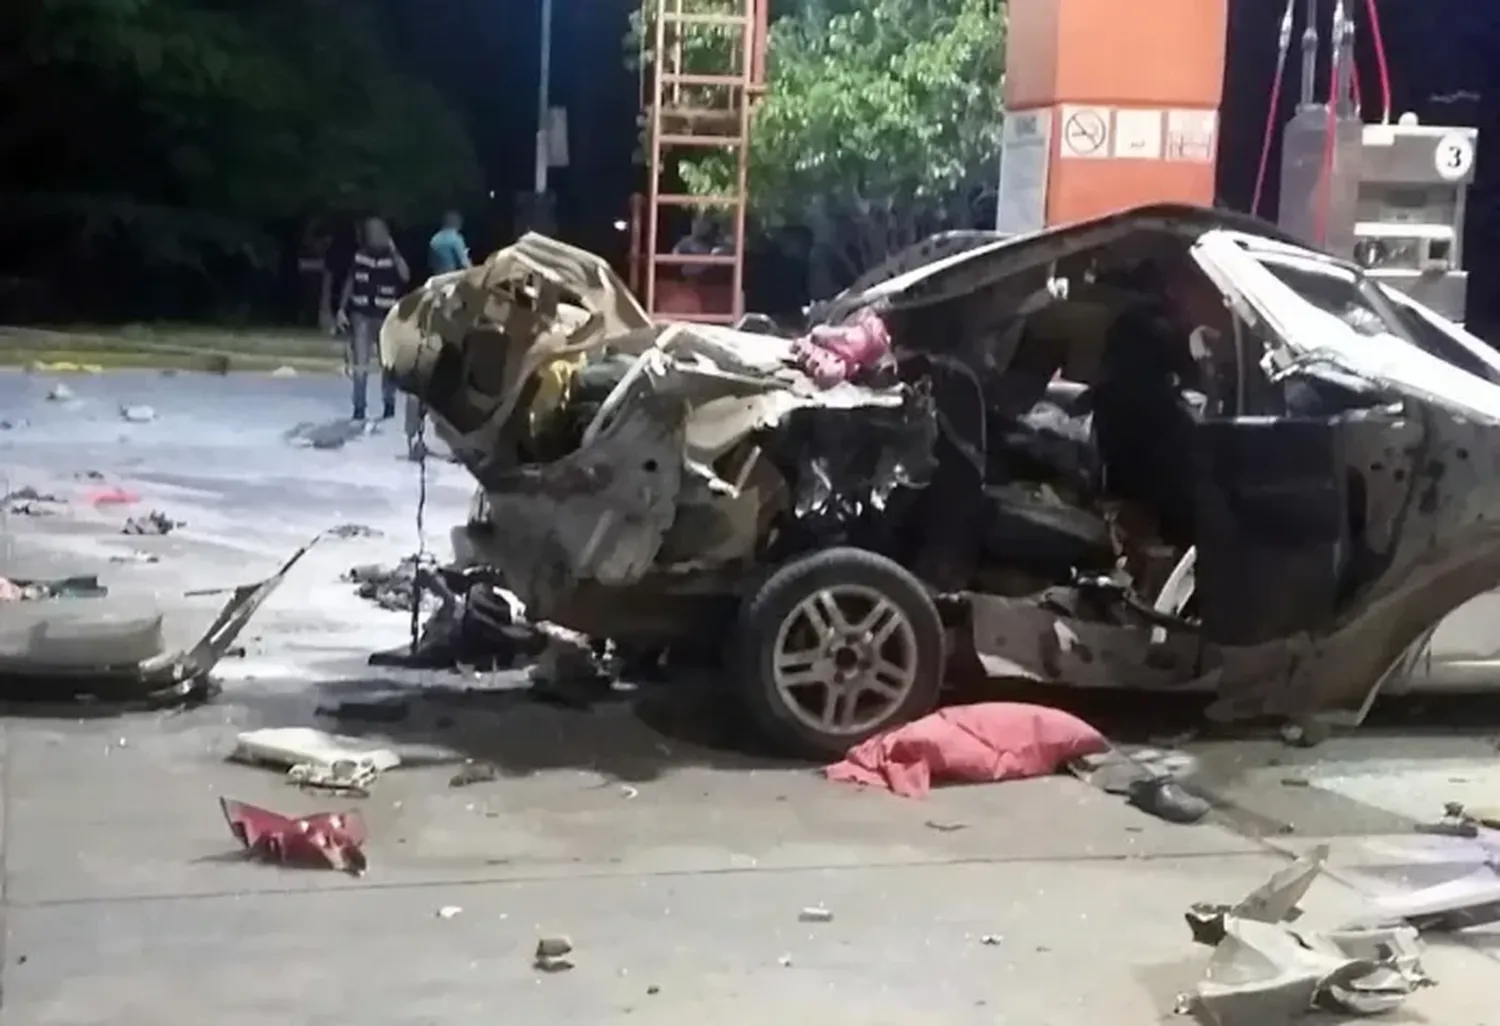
(1380, 64)
(1266, 134)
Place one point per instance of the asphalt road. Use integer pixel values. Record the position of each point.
(678, 866)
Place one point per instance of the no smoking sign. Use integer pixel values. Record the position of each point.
(1085, 132)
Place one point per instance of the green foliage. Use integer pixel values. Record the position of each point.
(183, 130)
(881, 123)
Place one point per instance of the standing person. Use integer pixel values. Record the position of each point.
(377, 278)
(447, 250)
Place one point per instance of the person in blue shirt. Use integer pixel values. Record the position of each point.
(447, 251)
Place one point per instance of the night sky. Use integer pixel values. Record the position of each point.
(1444, 57)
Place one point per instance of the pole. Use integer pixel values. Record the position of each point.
(543, 105)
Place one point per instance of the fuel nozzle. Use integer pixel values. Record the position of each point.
(1309, 56)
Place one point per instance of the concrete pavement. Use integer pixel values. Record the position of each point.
(678, 867)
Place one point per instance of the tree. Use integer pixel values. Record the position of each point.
(881, 124)
(185, 132)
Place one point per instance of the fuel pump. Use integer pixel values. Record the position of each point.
(1389, 196)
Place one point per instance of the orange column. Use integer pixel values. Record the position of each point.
(1110, 104)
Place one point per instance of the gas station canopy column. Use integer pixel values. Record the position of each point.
(1109, 105)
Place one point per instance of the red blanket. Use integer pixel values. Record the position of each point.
(969, 744)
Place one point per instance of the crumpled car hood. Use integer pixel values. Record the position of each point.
(466, 343)
(477, 347)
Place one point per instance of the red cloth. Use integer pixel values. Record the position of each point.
(114, 496)
(831, 355)
(332, 840)
(969, 744)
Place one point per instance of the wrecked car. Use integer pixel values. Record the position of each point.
(1165, 449)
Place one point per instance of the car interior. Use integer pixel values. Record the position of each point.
(1109, 413)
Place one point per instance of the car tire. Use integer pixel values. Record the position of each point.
(879, 652)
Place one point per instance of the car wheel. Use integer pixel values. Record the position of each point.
(835, 647)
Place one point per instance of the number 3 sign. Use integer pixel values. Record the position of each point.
(1454, 157)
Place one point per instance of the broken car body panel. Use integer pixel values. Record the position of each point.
(61, 648)
(1343, 494)
(686, 395)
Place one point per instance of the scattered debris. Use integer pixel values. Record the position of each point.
(29, 494)
(991, 741)
(113, 658)
(345, 776)
(1295, 782)
(59, 393)
(552, 954)
(991, 940)
(449, 911)
(785, 961)
(475, 773)
(332, 840)
(14, 424)
(1263, 973)
(1456, 822)
(154, 523)
(332, 435)
(571, 669)
(135, 557)
(477, 624)
(391, 588)
(388, 711)
(316, 759)
(137, 414)
(347, 531)
(815, 914)
(65, 587)
(1304, 735)
(28, 502)
(945, 828)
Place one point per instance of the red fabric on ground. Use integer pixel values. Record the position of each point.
(332, 840)
(114, 496)
(981, 743)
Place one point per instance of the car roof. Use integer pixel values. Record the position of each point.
(980, 263)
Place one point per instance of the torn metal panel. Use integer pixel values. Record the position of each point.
(1263, 973)
(1274, 901)
(128, 660)
(467, 343)
(1459, 904)
(1432, 543)
(1054, 647)
(599, 514)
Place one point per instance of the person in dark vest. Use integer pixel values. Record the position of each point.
(378, 277)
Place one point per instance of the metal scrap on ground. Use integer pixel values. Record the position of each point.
(1265, 973)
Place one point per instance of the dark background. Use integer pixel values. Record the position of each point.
(482, 54)
(1444, 58)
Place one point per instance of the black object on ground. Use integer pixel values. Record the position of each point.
(153, 523)
(1166, 799)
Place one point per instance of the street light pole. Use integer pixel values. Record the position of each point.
(543, 105)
